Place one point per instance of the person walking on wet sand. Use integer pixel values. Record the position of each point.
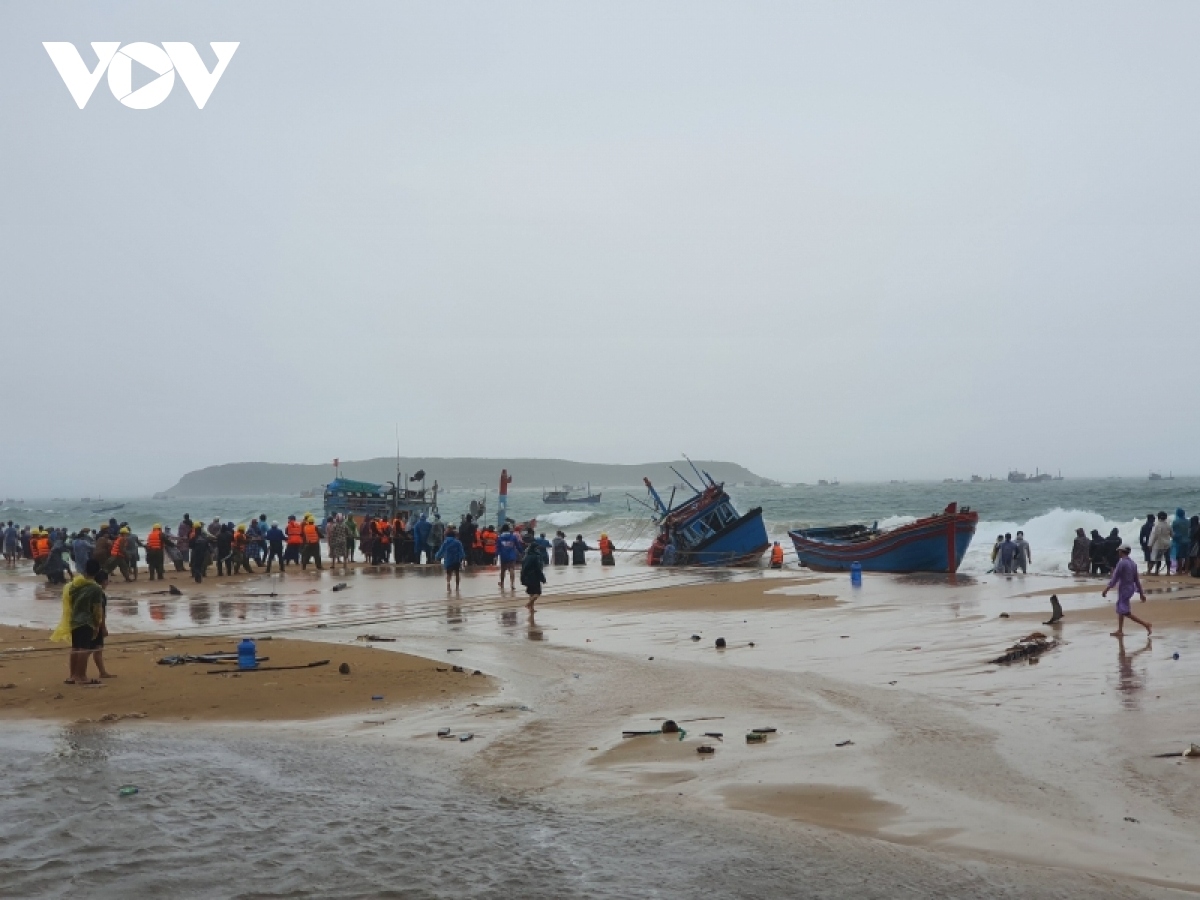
(1004, 559)
(533, 576)
(508, 547)
(1125, 579)
(451, 553)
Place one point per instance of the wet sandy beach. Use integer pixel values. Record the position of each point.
(1045, 771)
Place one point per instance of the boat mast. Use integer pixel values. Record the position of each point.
(684, 480)
(657, 499)
(502, 510)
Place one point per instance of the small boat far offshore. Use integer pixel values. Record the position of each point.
(706, 530)
(935, 544)
(566, 496)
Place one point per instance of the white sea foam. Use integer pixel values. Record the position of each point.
(566, 517)
(1050, 537)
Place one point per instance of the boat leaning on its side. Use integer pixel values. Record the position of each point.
(934, 544)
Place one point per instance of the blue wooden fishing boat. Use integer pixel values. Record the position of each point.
(706, 530)
(362, 498)
(934, 544)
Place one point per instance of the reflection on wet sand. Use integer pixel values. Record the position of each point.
(1129, 683)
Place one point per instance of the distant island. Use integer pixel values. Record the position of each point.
(258, 478)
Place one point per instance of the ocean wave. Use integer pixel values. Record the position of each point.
(566, 517)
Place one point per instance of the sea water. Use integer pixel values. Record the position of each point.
(223, 812)
(1048, 512)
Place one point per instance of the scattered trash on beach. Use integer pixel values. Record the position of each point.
(117, 717)
(1191, 751)
(669, 727)
(340, 586)
(456, 668)
(720, 643)
(1029, 647)
(756, 737)
(127, 790)
(705, 748)
(443, 732)
(695, 637)
(844, 744)
(629, 734)
(344, 669)
(1004, 615)
(1131, 819)
(454, 650)
(374, 638)
(311, 665)
(716, 735)
(377, 696)
(466, 737)
(763, 730)
(7, 687)
(1174, 656)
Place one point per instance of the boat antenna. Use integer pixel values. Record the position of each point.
(685, 481)
(671, 499)
(653, 493)
(697, 471)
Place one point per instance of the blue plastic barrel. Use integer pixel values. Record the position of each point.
(247, 654)
(856, 574)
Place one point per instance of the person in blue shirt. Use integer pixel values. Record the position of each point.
(543, 546)
(452, 554)
(508, 548)
(420, 537)
(275, 539)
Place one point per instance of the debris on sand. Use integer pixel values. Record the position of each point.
(1192, 750)
(1056, 612)
(1029, 647)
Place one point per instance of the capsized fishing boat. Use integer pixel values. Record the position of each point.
(934, 544)
(706, 530)
(569, 495)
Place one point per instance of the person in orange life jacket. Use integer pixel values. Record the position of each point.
(116, 556)
(241, 551)
(155, 552)
(776, 556)
(311, 551)
(606, 551)
(294, 532)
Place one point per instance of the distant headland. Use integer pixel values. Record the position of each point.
(259, 478)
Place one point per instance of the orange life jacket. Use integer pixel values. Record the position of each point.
(295, 534)
(606, 546)
(777, 555)
(154, 540)
(39, 546)
(311, 535)
(489, 541)
(117, 547)
(239, 540)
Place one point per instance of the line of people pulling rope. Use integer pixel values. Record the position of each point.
(243, 548)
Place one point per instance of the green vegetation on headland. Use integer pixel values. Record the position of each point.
(255, 478)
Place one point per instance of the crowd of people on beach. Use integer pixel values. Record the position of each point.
(1169, 546)
(58, 553)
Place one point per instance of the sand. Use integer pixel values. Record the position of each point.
(1047, 765)
(31, 681)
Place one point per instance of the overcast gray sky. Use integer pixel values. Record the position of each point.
(863, 240)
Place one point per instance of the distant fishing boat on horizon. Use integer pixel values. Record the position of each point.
(565, 497)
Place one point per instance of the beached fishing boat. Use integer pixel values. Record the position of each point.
(935, 544)
(569, 495)
(706, 530)
(362, 498)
